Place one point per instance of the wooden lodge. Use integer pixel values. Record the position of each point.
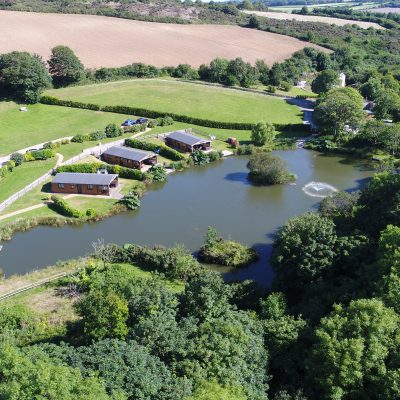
(77, 183)
(186, 142)
(130, 158)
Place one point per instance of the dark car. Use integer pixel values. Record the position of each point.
(142, 120)
(129, 122)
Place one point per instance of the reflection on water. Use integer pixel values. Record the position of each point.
(181, 210)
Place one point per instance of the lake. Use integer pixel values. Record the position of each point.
(180, 210)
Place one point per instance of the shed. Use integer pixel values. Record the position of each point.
(131, 158)
(94, 184)
(186, 142)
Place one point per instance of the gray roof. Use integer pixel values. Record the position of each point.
(187, 138)
(84, 179)
(129, 154)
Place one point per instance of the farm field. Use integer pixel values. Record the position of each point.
(207, 102)
(348, 4)
(43, 123)
(386, 10)
(111, 42)
(313, 18)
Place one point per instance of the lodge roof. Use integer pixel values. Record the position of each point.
(186, 138)
(84, 179)
(129, 154)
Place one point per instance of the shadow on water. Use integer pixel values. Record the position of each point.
(238, 177)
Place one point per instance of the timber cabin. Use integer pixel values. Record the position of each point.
(94, 184)
(130, 158)
(186, 142)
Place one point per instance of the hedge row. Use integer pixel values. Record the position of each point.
(62, 207)
(147, 113)
(92, 168)
(240, 126)
(161, 149)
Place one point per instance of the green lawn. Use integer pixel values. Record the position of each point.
(43, 123)
(207, 102)
(23, 175)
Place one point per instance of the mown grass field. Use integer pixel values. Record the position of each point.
(214, 103)
(43, 123)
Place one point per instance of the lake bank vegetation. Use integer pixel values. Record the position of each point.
(152, 323)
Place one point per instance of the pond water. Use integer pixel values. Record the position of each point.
(180, 210)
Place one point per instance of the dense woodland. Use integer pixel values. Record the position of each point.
(326, 329)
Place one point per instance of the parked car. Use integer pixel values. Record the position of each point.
(142, 120)
(129, 122)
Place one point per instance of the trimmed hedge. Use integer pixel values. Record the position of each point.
(161, 149)
(240, 126)
(62, 207)
(92, 168)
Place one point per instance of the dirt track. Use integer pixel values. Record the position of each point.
(314, 18)
(112, 42)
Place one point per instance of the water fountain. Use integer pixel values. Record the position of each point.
(319, 189)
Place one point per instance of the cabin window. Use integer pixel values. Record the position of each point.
(61, 185)
(90, 187)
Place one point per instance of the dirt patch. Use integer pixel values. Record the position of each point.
(314, 18)
(112, 42)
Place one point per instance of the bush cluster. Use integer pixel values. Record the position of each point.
(63, 208)
(160, 149)
(217, 250)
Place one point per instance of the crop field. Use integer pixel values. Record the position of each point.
(386, 10)
(207, 102)
(110, 42)
(348, 4)
(314, 18)
(43, 123)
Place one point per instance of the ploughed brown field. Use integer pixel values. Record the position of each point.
(112, 42)
(314, 18)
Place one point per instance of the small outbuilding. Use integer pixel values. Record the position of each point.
(77, 183)
(186, 142)
(130, 158)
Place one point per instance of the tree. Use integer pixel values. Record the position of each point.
(262, 71)
(24, 75)
(254, 22)
(325, 81)
(214, 391)
(337, 108)
(387, 104)
(304, 249)
(392, 139)
(353, 349)
(218, 70)
(263, 133)
(131, 201)
(64, 66)
(243, 72)
(18, 158)
(104, 315)
(158, 172)
(374, 133)
(371, 88)
(379, 203)
(267, 169)
(33, 376)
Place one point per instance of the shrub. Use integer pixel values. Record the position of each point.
(43, 154)
(267, 169)
(161, 149)
(65, 141)
(98, 135)
(18, 158)
(113, 130)
(165, 121)
(62, 207)
(158, 173)
(91, 213)
(131, 201)
(216, 250)
(79, 138)
(263, 133)
(52, 145)
(29, 157)
(199, 157)
(286, 86)
(152, 123)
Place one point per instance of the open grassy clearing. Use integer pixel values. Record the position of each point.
(110, 42)
(214, 103)
(23, 175)
(314, 18)
(43, 123)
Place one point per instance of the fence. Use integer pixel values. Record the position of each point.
(95, 151)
